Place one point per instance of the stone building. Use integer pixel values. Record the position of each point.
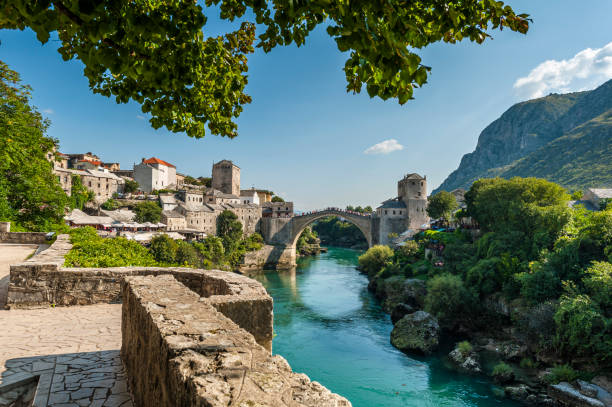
(226, 177)
(264, 195)
(277, 209)
(153, 174)
(103, 183)
(249, 196)
(216, 197)
(407, 211)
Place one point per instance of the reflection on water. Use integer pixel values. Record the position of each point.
(330, 327)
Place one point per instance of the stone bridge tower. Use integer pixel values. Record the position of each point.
(412, 190)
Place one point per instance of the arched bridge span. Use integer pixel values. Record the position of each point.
(300, 222)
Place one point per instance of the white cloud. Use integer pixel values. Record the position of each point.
(585, 70)
(140, 117)
(48, 111)
(384, 147)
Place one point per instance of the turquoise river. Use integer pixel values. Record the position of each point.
(329, 326)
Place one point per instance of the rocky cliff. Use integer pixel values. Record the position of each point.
(563, 138)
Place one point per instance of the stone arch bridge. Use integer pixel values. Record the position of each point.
(284, 232)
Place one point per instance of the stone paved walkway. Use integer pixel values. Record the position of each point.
(73, 350)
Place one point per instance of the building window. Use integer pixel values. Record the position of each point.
(385, 211)
(419, 194)
(394, 212)
(400, 212)
(412, 182)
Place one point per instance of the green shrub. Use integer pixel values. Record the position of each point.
(186, 255)
(163, 248)
(539, 285)
(211, 250)
(372, 261)
(110, 205)
(561, 373)
(91, 250)
(598, 283)
(582, 330)
(447, 298)
(148, 211)
(484, 277)
(528, 363)
(465, 348)
(503, 373)
(254, 242)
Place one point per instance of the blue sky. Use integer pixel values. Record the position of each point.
(305, 138)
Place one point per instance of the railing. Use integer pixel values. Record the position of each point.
(332, 209)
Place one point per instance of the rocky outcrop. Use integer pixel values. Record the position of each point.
(567, 395)
(465, 361)
(178, 350)
(417, 332)
(399, 290)
(268, 257)
(399, 311)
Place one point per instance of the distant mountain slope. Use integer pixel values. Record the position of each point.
(563, 138)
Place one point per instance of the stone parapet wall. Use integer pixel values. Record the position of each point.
(23, 237)
(43, 281)
(180, 351)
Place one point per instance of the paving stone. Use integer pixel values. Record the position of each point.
(82, 393)
(59, 397)
(100, 393)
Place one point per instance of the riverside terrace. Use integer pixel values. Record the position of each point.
(203, 338)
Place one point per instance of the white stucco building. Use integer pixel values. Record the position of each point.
(153, 173)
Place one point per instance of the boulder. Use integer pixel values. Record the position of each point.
(520, 392)
(566, 395)
(417, 332)
(399, 311)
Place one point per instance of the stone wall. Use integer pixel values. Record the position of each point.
(23, 237)
(179, 351)
(42, 281)
(277, 257)
(276, 230)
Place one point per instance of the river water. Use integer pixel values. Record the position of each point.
(329, 326)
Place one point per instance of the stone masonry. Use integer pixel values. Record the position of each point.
(194, 355)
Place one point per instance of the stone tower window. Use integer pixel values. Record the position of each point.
(394, 212)
(385, 211)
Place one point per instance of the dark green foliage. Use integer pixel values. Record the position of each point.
(441, 205)
(186, 254)
(307, 239)
(539, 284)
(148, 211)
(598, 284)
(79, 194)
(155, 53)
(163, 248)
(277, 199)
(130, 186)
(561, 373)
(229, 229)
(90, 250)
(448, 299)
(30, 194)
(211, 250)
(582, 329)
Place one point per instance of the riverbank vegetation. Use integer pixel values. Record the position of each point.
(537, 275)
(221, 252)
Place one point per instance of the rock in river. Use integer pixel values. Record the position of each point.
(416, 332)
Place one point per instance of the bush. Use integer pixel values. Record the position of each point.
(447, 298)
(211, 250)
(465, 348)
(539, 285)
(187, 255)
(561, 373)
(528, 363)
(148, 211)
(372, 261)
(582, 330)
(503, 373)
(90, 250)
(163, 248)
(254, 242)
(598, 284)
(110, 205)
(229, 229)
(484, 277)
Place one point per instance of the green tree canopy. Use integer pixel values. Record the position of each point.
(442, 205)
(148, 211)
(130, 186)
(229, 229)
(79, 194)
(277, 198)
(30, 193)
(156, 53)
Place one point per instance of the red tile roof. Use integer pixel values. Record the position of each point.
(154, 160)
(98, 163)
